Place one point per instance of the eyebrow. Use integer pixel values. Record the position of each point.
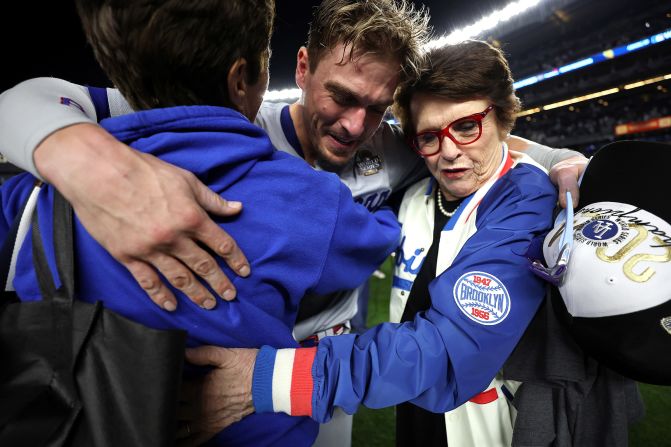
(343, 91)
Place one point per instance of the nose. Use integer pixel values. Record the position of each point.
(449, 150)
(354, 121)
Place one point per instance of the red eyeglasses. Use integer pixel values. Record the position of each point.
(463, 131)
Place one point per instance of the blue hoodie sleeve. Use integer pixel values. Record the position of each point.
(443, 357)
(13, 195)
(360, 242)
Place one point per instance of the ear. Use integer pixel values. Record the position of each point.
(237, 85)
(302, 67)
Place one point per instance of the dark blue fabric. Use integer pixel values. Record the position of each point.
(100, 102)
(299, 228)
(290, 131)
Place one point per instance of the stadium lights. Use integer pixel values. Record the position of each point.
(587, 97)
(567, 102)
(595, 59)
(646, 82)
(529, 111)
(485, 24)
(282, 95)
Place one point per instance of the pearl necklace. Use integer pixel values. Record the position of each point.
(440, 205)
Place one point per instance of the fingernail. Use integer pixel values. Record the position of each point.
(209, 304)
(169, 306)
(229, 294)
(244, 270)
(234, 204)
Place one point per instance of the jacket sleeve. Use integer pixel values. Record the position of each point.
(360, 242)
(443, 357)
(547, 156)
(34, 109)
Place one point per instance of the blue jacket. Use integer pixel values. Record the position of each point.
(482, 300)
(299, 228)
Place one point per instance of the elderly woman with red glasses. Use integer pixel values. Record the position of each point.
(465, 231)
(462, 293)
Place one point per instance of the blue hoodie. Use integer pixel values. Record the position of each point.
(300, 230)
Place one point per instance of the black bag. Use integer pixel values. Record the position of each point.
(76, 374)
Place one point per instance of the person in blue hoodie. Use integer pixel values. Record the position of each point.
(196, 71)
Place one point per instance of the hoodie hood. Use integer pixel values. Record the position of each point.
(211, 142)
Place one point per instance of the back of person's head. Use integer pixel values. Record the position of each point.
(461, 72)
(385, 27)
(178, 52)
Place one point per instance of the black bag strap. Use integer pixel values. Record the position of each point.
(64, 243)
(63, 249)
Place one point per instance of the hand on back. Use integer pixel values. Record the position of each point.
(151, 216)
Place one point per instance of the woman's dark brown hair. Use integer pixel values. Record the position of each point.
(461, 72)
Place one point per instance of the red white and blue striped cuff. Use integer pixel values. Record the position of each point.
(283, 381)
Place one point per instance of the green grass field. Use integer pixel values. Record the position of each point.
(375, 428)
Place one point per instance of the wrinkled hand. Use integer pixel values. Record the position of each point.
(565, 175)
(222, 397)
(150, 215)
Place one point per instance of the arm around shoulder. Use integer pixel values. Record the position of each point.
(48, 127)
(543, 155)
(565, 165)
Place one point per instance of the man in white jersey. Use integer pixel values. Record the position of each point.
(348, 73)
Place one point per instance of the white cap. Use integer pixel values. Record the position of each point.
(615, 296)
(620, 261)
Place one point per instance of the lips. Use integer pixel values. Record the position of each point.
(342, 141)
(341, 147)
(453, 173)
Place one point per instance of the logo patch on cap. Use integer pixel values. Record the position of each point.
(601, 230)
(482, 297)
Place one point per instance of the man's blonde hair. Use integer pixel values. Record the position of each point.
(385, 27)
